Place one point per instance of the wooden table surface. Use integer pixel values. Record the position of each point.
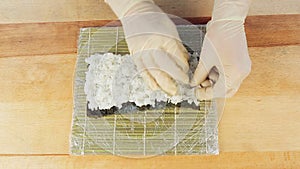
(260, 125)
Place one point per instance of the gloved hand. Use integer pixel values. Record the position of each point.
(154, 42)
(224, 59)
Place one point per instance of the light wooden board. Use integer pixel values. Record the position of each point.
(28, 11)
(246, 160)
(36, 104)
(267, 104)
(36, 91)
(59, 38)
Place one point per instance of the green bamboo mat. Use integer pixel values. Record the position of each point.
(173, 130)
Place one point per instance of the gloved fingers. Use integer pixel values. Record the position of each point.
(233, 88)
(223, 91)
(221, 86)
(179, 54)
(207, 88)
(145, 74)
(149, 80)
(208, 91)
(229, 83)
(200, 74)
(209, 58)
(231, 92)
(213, 75)
(206, 83)
(204, 93)
(173, 47)
(167, 64)
(165, 82)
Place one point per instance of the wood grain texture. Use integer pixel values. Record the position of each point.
(36, 87)
(33, 11)
(267, 104)
(246, 160)
(263, 123)
(36, 104)
(60, 38)
(38, 39)
(273, 31)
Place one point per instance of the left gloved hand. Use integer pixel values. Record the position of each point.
(154, 42)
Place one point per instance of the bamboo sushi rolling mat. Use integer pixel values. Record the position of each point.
(164, 131)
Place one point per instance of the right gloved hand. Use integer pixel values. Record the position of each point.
(154, 42)
(224, 59)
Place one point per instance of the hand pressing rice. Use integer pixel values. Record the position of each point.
(112, 80)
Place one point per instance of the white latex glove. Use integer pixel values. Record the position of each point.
(224, 59)
(154, 42)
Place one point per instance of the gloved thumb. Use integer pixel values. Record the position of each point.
(208, 59)
(200, 74)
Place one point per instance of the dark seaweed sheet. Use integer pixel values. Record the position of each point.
(130, 107)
